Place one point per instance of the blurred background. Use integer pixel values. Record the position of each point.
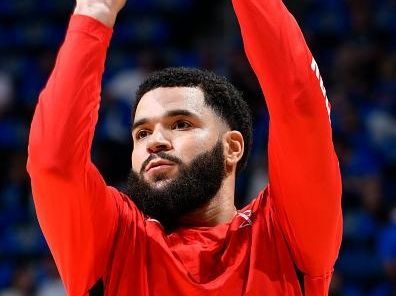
(354, 43)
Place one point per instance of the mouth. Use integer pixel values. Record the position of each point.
(158, 166)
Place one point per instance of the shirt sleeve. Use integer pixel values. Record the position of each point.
(76, 210)
(304, 176)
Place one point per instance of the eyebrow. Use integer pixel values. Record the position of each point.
(171, 113)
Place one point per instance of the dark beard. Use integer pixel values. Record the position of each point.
(195, 185)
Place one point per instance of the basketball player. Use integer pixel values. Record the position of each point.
(176, 231)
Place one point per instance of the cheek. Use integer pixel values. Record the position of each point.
(137, 159)
(188, 148)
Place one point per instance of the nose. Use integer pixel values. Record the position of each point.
(158, 141)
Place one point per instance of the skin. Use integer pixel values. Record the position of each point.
(178, 139)
(105, 11)
(177, 121)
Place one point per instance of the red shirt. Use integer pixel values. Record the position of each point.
(101, 241)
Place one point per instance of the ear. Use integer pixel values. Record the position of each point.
(233, 148)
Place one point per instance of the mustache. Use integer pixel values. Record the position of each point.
(159, 155)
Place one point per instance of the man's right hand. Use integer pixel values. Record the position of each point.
(104, 11)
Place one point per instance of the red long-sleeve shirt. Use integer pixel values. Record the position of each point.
(102, 242)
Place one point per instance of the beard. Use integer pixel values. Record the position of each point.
(193, 187)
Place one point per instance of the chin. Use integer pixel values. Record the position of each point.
(159, 181)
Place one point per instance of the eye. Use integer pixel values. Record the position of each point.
(141, 134)
(181, 124)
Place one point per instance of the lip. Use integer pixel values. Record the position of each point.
(158, 163)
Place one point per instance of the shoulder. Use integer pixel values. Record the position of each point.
(261, 201)
(127, 210)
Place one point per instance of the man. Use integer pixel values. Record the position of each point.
(177, 231)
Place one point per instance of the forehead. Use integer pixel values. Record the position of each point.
(163, 99)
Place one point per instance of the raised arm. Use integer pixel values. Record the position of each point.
(304, 177)
(76, 210)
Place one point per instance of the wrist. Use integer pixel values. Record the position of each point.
(98, 11)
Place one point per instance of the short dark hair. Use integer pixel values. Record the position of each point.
(219, 94)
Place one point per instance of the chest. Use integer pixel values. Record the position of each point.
(252, 260)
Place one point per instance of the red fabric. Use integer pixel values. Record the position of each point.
(95, 232)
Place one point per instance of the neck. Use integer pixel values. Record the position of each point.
(220, 209)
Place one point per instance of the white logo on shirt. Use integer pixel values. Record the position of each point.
(315, 68)
(246, 216)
